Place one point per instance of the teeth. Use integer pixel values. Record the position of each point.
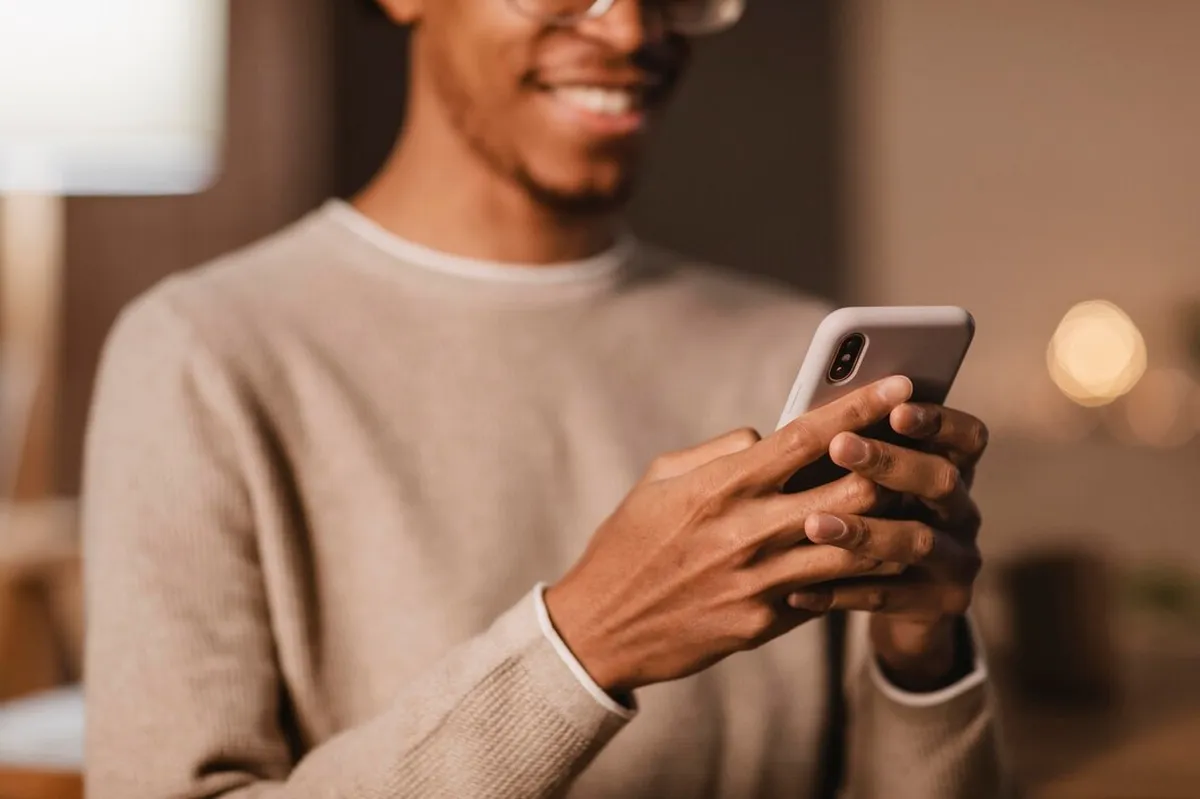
(598, 99)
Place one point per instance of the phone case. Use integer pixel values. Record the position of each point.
(927, 344)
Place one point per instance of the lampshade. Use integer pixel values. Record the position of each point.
(111, 96)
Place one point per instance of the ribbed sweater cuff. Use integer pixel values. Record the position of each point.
(522, 725)
(941, 745)
(552, 679)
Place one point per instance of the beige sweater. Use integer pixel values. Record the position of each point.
(324, 476)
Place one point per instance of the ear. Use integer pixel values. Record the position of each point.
(403, 12)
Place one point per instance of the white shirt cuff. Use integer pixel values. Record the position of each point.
(598, 693)
(977, 677)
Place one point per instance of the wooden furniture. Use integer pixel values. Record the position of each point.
(40, 640)
(1144, 745)
(1160, 764)
(41, 745)
(21, 784)
(41, 607)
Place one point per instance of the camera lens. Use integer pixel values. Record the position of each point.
(846, 357)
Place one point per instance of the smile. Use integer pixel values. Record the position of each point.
(599, 110)
(604, 100)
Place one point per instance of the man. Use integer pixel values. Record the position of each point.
(326, 476)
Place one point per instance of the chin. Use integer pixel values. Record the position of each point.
(588, 191)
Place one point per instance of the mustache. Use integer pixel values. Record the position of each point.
(659, 62)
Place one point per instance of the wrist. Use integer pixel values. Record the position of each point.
(922, 656)
(585, 642)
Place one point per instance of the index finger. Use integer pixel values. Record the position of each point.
(800, 442)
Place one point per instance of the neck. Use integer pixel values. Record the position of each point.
(436, 191)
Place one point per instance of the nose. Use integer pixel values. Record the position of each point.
(628, 25)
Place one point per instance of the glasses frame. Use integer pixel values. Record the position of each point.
(599, 8)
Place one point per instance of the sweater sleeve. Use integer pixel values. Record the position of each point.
(943, 745)
(184, 694)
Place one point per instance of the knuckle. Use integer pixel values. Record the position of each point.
(859, 408)
(661, 465)
(700, 501)
(800, 437)
(979, 438)
(958, 600)
(890, 569)
(708, 504)
(946, 482)
(858, 534)
(734, 538)
(861, 564)
(924, 542)
(739, 482)
(757, 622)
(875, 599)
(744, 438)
(746, 585)
(881, 460)
(862, 494)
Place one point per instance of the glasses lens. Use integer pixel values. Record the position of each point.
(689, 17)
(700, 17)
(565, 11)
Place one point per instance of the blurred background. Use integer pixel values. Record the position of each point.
(1034, 162)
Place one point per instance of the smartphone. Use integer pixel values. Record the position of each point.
(857, 346)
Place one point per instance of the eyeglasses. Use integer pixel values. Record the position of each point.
(687, 17)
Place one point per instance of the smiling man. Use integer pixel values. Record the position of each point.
(329, 476)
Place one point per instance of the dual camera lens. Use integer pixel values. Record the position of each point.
(847, 357)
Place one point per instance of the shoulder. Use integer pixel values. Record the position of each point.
(229, 304)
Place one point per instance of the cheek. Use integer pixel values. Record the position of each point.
(476, 75)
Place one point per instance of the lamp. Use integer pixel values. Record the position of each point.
(119, 97)
(97, 97)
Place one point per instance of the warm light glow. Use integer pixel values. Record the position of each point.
(1157, 410)
(1097, 354)
(111, 97)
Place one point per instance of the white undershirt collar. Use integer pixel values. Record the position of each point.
(581, 271)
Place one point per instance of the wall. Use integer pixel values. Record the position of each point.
(277, 166)
(1018, 156)
(746, 170)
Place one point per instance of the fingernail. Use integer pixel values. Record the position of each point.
(895, 389)
(852, 450)
(798, 601)
(920, 418)
(825, 528)
(920, 415)
(814, 601)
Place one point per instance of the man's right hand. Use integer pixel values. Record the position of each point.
(698, 560)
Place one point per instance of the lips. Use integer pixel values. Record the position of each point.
(604, 100)
(607, 100)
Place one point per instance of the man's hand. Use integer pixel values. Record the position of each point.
(913, 630)
(699, 559)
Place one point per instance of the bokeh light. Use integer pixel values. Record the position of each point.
(1097, 354)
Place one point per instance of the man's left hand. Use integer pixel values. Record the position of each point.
(915, 619)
